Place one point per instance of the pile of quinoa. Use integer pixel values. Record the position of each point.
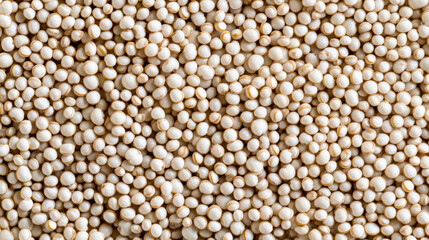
(214, 119)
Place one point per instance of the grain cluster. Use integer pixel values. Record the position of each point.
(214, 119)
